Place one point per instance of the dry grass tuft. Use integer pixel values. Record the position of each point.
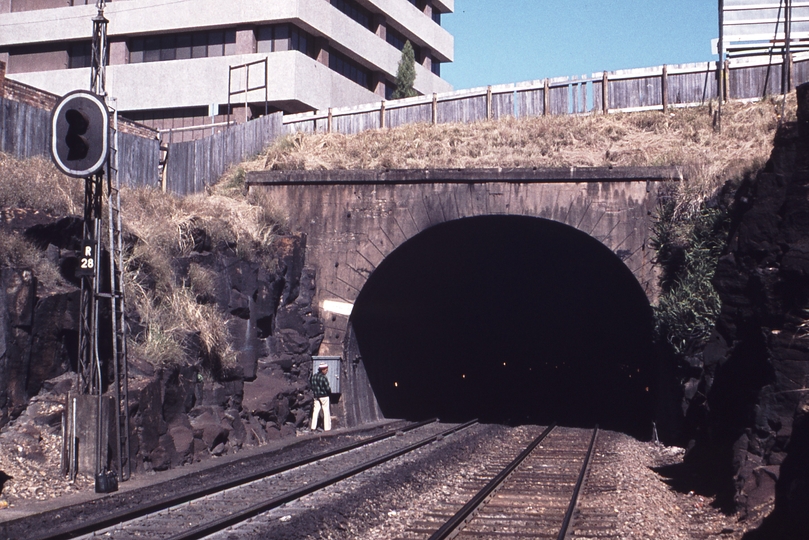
(173, 321)
(35, 183)
(18, 252)
(174, 308)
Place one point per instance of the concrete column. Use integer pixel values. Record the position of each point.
(378, 84)
(428, 9)
(240, 113)
(119, 52)
(245, 41)
(426, 59)
(45, 61)
(5, 6)
(380, 26)
(322, 48)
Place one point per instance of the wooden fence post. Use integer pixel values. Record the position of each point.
(328, 121)
(164, 173)
(488, 102)
(726, 78)
(665, 88)
(435, 108)
(583, 104)
(605, 93)
(546, 98)
(382, 114)
(790, 67)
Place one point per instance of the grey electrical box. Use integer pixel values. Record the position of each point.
(334, 370)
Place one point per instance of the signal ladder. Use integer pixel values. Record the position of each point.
(116, 296)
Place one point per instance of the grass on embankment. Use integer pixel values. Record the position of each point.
(684, 137)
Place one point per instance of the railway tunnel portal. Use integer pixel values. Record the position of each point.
(512, 296)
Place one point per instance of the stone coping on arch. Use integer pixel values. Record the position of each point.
(465, 176)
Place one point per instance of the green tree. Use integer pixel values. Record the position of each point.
(406, 74)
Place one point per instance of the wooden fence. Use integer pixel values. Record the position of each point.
(25, 129)
(194, 165)
(138, 161)
(25, 132)
(656, 88)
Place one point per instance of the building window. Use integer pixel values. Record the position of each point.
(80, 55)
(301, 41)
(284, 37)
(395, 38)
(355, 11)
(436, 16)
(265, 39)
(349, 68)
(182, 46)
(435, 67)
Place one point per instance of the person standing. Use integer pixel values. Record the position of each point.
(322, 391)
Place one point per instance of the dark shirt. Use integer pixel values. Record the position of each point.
(320, 385)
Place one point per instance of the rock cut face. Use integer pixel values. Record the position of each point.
(508, 319)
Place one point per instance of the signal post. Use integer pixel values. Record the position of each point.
(83, 145)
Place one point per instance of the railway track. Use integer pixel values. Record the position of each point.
(532, 496)
(540, 494)
(231, 501)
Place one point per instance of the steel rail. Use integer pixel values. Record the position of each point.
(237, 517)
(461, 516)
(574, 499)
(173, 499)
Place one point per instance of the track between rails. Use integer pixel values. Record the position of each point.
(233, 501)
(532, 496)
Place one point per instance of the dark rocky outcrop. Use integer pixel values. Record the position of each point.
(185, 412)
(37, 338)
(182, 412)
(746, 406)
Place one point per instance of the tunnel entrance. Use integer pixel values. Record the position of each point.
(508, 319)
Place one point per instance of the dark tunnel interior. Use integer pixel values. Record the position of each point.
(511, 320)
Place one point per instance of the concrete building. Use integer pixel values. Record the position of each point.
(172, 62)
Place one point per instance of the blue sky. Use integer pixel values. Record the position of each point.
(505, 41)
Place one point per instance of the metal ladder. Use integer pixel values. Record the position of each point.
(117, 307)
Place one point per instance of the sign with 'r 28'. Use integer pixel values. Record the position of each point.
(87, 260)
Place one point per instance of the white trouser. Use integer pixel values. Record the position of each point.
(321, 403)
